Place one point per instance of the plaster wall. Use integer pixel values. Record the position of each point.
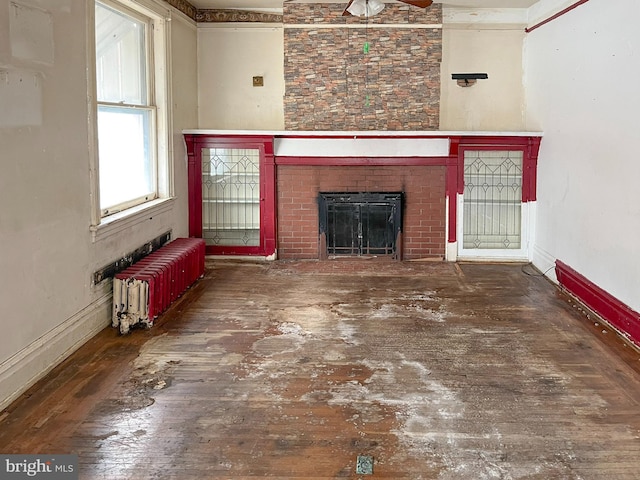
(229, 56)
(48, 253)
(495, 104)
(490, 41)
(579, 72)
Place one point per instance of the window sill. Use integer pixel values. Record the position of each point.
(130, 217)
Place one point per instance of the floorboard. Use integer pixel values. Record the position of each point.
(290, 370)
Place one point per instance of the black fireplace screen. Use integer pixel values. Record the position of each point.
(360, 223)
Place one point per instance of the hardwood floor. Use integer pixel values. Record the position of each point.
(290, 370)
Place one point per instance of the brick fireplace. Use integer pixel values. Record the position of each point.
(423, 188)
(427, 170)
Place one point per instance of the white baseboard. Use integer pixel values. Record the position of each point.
(451, 254)
(33, 362)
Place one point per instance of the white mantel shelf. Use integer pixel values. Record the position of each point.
(364, 133)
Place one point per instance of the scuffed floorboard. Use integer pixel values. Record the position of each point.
(291, 370)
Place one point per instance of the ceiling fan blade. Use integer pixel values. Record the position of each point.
(418, 3)
(346, 13)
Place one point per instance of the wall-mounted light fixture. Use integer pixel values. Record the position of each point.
(468, 79)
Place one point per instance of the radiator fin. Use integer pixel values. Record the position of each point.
(144, 290)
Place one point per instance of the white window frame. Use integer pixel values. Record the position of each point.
(159, 16)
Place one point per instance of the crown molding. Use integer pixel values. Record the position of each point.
(231, 16)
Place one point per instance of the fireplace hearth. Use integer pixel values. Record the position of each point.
(363, 224)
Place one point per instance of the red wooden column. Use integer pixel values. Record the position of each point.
(194, 172)
(268, 195)
(453, 187)
(529, 187)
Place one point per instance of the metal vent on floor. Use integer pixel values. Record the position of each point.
(364, 465)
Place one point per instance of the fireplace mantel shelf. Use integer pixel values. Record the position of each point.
(363, 133)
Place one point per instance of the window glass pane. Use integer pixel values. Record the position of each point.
(126, 166)
(121, 65)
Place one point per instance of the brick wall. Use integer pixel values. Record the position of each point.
(331, 84)
(423, 214)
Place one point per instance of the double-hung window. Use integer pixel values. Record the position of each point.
(130, 93)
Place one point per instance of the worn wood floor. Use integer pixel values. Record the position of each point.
(290, 370)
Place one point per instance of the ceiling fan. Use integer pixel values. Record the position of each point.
(369, 8)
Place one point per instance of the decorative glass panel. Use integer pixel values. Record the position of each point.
(231, 196)
(492, 199)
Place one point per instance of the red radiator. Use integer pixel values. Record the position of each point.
(147, 288)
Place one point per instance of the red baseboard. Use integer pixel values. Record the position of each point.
(612, 310)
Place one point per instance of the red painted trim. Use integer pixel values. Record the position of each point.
(491, 141)
(268, 244)
(553, 17)
(194, 176)
(268, 199)
(361, 136)
(264, 143)
(530, 173)
(452, 180)
(460, 179)
(604, 304)
(452, 195)
(234, 250)
(362, 161)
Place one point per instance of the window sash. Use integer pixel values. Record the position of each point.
(123, 54)
(127, 157)
(126, 114)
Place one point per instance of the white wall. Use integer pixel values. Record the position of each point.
(489, 42)
(581, 72)
(47, 255)
(230, 55)
(228, 58)
(184, 46)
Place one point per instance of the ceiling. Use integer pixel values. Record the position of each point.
(271, 4)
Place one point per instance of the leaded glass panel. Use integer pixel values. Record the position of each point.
(231, 196)
(492, 208)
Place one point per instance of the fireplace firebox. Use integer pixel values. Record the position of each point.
(360, 224)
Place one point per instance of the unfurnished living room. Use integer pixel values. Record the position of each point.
(319, 239)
